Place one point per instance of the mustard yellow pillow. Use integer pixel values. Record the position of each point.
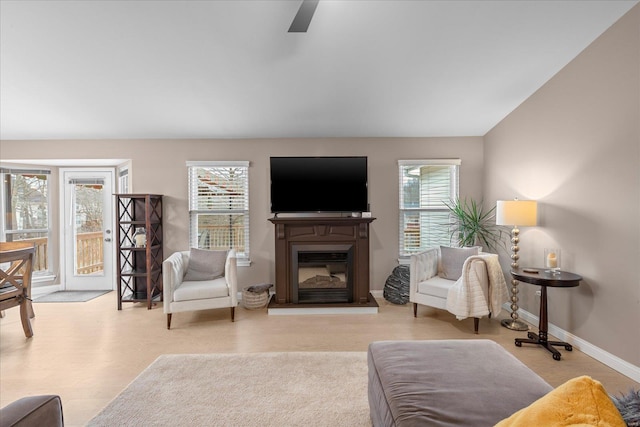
(581, 401)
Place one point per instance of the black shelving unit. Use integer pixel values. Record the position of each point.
(139, 268)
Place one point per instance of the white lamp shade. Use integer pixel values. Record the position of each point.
(517, 212)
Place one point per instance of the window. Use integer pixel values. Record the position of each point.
(25, 207)
(425, 186)
(219, 206)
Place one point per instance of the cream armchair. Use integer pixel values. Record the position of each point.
(469, 286)
(187, 290)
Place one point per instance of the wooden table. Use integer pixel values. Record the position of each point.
(544, 279)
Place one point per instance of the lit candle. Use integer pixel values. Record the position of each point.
(552, 261)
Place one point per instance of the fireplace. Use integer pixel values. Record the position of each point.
(321, 274)
(322, 261)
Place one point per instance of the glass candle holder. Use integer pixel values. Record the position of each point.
(140, 237)
(552, 260)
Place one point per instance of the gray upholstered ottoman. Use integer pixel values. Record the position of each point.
(447, 383)
(36, 411)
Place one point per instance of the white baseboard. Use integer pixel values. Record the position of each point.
(612, 361)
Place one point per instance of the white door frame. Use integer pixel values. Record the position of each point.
(110, 275)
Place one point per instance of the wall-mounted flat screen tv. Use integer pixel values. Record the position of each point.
(319, 184)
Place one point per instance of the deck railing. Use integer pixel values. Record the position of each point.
(40, 261)
(90, 247)
(89, 253)
(218, 237)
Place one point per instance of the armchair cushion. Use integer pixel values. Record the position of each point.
(436, 286)
(201, 289)
(205, 264)
(453, 259)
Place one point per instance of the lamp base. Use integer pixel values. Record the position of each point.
(515, 325)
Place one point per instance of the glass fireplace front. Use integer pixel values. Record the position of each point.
(322, 273)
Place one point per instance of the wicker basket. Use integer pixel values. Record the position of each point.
(254, 301)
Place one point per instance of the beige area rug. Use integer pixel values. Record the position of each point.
(247, 389)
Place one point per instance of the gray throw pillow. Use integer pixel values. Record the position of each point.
(205, 264)
(453, 259)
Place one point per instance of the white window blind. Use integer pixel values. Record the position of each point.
(425, 186)
(219, 206)
(123, 180)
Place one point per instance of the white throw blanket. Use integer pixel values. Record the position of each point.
(466, 299)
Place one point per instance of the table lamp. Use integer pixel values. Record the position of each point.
(516, 213)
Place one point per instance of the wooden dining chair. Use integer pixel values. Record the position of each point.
(16, 267)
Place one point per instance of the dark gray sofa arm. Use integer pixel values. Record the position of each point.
(41, 411)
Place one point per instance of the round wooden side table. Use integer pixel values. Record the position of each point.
(544, 279)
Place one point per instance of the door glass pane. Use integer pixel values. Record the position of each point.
(88, 229)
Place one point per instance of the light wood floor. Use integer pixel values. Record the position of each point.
(88, 352)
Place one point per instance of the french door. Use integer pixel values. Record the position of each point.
(88, 249)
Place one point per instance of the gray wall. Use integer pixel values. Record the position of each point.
(160, 167)
(575, 147)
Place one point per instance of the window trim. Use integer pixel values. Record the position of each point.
(245, 259)
(403, 255)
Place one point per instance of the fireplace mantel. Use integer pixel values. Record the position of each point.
(292, 232)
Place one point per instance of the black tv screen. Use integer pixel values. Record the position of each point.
(319, 184)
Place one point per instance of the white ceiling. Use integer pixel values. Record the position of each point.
(229, 69)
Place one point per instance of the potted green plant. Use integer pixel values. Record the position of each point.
(471, 224)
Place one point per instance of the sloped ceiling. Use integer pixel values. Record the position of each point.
(229, 69)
